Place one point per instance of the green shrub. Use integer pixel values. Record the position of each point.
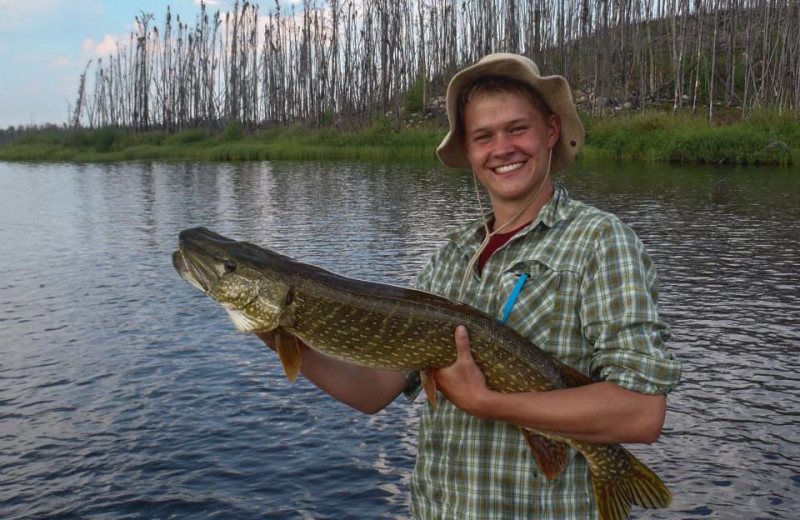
(152, 138)
(193, 135)
(77, 138)
(233, 131)
(105, 139)
(412, 101)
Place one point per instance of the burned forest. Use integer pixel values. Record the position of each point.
(345, 62)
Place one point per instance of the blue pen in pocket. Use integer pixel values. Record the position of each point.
(512, 299)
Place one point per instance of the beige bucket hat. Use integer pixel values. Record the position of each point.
(554, 90)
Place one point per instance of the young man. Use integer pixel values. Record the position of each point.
(584, 290)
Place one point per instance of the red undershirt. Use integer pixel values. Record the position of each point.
(496, 242)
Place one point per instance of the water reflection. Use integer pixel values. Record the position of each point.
(123, 393)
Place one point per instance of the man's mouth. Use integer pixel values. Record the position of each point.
(507, 167)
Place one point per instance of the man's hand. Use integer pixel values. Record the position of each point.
(463, 383)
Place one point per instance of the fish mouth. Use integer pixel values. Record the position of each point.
(200, 258)
(179, 262)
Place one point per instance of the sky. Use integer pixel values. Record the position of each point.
(46, 44)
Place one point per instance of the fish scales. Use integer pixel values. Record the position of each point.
(393, 328)
(319, 309)
(386, 311)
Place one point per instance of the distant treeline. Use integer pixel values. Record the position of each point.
(13, 133)
(344, 61)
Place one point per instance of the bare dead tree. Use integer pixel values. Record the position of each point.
(80, 101)
(346, 61)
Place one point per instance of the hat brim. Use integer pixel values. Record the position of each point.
(554, 90)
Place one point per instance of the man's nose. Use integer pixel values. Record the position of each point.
(503, 144)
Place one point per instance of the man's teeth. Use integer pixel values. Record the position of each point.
(507, 167)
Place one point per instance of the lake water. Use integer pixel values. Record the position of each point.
(125, 393)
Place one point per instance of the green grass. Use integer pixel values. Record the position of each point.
(658, 136)
(379, 141)
(767, 138)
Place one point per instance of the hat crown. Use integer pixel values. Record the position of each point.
(505, 56)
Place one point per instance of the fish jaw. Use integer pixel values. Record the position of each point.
(179, 262)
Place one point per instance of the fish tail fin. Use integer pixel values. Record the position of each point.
(639, 485)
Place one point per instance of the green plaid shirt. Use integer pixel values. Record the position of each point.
(590, 300)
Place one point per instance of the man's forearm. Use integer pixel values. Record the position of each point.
(367, 390)
(600, 412)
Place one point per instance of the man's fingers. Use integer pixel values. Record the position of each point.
(462, 342)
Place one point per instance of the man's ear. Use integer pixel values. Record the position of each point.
(553, 130)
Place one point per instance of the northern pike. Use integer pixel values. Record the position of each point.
(394, 328)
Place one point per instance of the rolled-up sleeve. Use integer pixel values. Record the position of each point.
(620, 317)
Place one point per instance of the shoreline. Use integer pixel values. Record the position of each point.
(768, 139)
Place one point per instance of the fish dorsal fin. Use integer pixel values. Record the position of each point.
(288, 352)
(550, 454)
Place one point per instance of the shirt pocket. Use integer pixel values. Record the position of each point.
(532, 310)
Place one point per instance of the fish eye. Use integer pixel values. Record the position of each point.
(229, 267)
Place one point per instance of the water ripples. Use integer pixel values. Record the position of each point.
(124, 393)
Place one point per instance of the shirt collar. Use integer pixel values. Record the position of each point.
(470, 235)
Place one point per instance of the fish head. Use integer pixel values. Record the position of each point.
(243, 278)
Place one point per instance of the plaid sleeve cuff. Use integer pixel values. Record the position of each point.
(662, 378)
(637, 365)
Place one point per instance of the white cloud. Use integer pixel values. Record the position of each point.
(198, 2)
(103, 48)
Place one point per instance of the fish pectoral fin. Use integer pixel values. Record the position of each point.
(429, 384)
(550, 454)
(289, 353)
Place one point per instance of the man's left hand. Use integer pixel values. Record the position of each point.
(463, 383)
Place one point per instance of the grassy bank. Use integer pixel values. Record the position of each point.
(657, 136)
(379, 141)
(764, 139)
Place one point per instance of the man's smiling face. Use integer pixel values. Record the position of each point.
(508, 141)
